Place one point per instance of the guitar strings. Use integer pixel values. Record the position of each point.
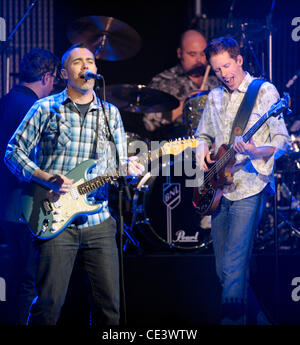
(226, 157)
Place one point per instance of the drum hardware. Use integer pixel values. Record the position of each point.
(192, 111)
(130, 238)
(108, 38)
(140, 99)
(288, 206)
(163, 215)
(288, 237)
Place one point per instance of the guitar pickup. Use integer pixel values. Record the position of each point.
(47, 206)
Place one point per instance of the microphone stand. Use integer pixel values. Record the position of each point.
(121, 186)
(270, 42)
(5, 46)
(276, 235)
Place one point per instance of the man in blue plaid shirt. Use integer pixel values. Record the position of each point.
(64, 130)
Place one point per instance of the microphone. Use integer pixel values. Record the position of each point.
(90, 75)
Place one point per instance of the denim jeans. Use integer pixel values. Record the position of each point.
(99, 254)
(234, 225)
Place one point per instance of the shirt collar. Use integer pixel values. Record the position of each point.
(245, 83)
(66, 98)
(180, 71)
(243, 87)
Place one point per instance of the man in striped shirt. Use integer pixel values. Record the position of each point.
(64, 130)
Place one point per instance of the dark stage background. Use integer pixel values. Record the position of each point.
(172, 286)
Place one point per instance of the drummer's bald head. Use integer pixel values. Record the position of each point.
(68, 52)
(191, 35)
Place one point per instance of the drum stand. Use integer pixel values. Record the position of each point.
(136, 209)
(126, 230)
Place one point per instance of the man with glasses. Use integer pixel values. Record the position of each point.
(38, 73)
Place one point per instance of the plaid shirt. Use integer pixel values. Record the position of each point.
(216, 124)
(62, 138)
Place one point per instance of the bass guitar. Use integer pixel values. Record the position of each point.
(47, 214)
(208, 195)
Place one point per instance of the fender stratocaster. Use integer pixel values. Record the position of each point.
(47, 213)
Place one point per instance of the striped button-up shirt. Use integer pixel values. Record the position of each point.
(62, 138)
(216, 124)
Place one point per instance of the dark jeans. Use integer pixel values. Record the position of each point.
(21, 268)
(99, 255)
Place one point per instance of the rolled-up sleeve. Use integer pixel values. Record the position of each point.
(277, 135)
(21, 144)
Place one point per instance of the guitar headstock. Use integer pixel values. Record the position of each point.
(281, 106)
(177, 146)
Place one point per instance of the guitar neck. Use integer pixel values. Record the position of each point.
(151, 155)
(167, 148)
(255, 127)
(222, 162)
(90, 186)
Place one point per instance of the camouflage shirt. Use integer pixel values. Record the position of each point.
(175, 82)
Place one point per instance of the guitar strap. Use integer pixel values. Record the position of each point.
(245, 109)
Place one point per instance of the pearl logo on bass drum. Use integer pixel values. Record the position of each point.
(172, 198)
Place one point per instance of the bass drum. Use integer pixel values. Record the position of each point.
(169, 218)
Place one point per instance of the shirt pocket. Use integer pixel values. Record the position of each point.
(58, 135)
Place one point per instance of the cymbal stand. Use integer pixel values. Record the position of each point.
(5, 46)
(276, 251)
(270, 40)
(100, 45)
(249, 43)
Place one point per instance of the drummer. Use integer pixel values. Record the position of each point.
(181, 81)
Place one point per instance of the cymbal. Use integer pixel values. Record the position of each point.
(248, 31)
(108, 38)
(140, 99)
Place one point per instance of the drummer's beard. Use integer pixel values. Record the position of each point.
(197, 71)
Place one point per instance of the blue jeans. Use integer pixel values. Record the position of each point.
(99, 254)
(234, 224)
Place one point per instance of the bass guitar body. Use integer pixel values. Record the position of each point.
(207, 197)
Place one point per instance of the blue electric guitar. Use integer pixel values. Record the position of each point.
(47, 213)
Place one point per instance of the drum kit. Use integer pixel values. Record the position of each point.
(160, 208)
(160, 213)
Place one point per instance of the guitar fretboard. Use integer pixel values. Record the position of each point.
(274, 111)
(144, 159)
(95, 183)
(151, 155)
